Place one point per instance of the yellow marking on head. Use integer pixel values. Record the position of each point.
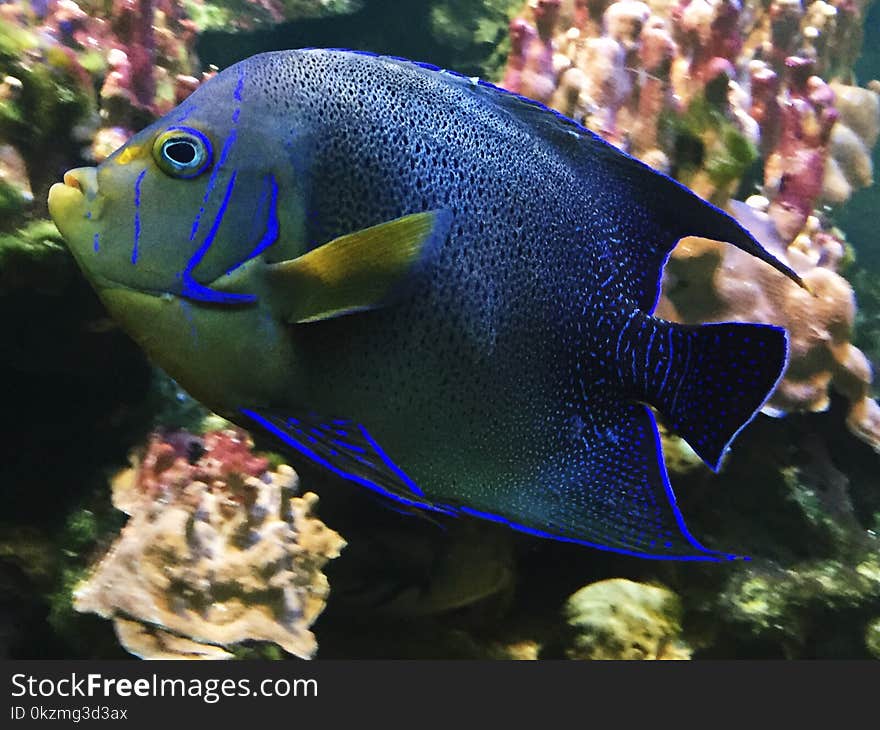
(130, 153)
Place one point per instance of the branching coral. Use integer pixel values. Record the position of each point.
(689, 85)
(218, 551)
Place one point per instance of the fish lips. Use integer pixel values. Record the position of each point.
(73, 205)
(69, 210)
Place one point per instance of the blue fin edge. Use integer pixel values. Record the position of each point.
(457, 510)
(716, 467)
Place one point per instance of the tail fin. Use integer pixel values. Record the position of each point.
(709, 381)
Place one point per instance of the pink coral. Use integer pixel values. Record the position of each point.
(530, 69)
(794, 170)
(177, 458)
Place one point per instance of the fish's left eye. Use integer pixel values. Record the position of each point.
(182, 152)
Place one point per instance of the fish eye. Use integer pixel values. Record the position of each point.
(182, 152)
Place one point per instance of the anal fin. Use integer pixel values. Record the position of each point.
(345, 449)
(606, 488)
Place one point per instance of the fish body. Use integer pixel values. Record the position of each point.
(425, 286)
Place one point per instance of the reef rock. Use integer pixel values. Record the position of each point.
(849, 166)
(786, 606)
(218, 550)
(620, 619)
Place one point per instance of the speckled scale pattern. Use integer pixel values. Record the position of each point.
(499, 385)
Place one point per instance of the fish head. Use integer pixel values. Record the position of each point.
(175, 230)
(184, 204)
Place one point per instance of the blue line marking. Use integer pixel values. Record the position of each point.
(648, 354)
(137, 216)
(708, 556)
(684, 373)
(193, 289)
(212, 181)
(414, 488)
(348, 447)
(670, 356)
(622, 332)
(272, 227)
(95, 242)
(320, 461)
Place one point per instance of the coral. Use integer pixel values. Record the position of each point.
(217, 551)
(252, 14)
(693, 87)
(46, 94)
(531, 68)
(34, 258)
(706, 281)
(620, 619)
(849, 166)
(794, 169)
(785, 605)
(138, 54)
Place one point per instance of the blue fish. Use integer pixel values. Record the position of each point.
(428, 287)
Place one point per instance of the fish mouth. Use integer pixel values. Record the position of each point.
(69, 205)
(68, 200)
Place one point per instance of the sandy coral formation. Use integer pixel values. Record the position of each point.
(218, 550)
(621, 619)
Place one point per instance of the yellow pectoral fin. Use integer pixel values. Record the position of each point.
(359, 271)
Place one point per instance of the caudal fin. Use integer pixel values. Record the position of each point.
(712, 379)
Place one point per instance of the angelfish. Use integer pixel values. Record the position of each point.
(426, 286)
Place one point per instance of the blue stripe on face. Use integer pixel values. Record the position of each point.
(270, 235)
(212, 182)
(137, 216)
(193, 289)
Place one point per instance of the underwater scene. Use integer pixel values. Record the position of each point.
(440, 329)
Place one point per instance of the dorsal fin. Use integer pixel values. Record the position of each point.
(673, 210)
